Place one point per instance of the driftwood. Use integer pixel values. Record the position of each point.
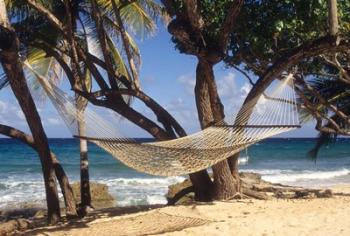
(253, 187)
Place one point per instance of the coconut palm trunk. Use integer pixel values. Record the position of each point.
(81, 104)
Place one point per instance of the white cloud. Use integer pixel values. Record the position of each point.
(188, 81)
(232, 96)
(20, 115)
(245, 89)
(54, 121)
(11, 114)
(3, 106)
(184, 111)
(227, 85)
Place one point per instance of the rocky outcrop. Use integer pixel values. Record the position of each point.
(100, 197)
(11, 226)
(252, 187)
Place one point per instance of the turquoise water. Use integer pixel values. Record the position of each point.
(278, 160)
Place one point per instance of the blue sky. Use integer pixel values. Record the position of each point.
(168, 77)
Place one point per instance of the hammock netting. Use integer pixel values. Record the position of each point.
(275, 112)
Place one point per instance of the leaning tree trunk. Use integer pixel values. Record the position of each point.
(210, 110)
(9, 51)
(67, 191)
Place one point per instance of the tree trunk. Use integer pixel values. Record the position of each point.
(333, 17)
(81, 103)
(210, 111)
(13, 68)
(67, 191)
(202, 186)
(84, 168)
(85, 199)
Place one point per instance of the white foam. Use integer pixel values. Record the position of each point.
(289, 176)
(150, 190)
(156, 199)
(243, 160)
(144, 181)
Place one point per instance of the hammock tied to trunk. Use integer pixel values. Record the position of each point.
(275, 112)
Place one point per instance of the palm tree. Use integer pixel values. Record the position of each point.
(70, 42)
(124, 54)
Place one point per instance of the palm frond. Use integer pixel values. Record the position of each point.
(322, 140)
(45, 66)
(138, 21)
(118, 60)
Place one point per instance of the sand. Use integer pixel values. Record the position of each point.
(326, 216)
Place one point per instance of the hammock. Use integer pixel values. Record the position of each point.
(275, 113)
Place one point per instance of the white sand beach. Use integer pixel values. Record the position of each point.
(322, 216)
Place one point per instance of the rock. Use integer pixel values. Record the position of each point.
(252, 186)
(304, 194)
(11, 214)
(250, 178)
(327, 193)
(100, 197)
(11, 226)
(177, 188)
(40, 214)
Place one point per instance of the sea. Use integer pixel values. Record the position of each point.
(279, 160)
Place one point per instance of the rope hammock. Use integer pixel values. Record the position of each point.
(274, 113)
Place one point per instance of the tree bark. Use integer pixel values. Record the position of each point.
(67, 191)
(202, 186)
(13, 68)
(210, 111)
(333, 17)
(84, 161)
(62, 178)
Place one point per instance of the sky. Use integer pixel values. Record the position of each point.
(168, 77)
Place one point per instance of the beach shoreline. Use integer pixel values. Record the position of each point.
(317, 216)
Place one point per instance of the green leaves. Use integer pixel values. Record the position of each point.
(279, 26)
(267, 29)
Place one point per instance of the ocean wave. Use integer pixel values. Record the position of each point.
(127, 191)
(3, 186)
(140, 191)
(280, 176)
(150, 190)
(143, 181)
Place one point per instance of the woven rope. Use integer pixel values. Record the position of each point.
(274, 113)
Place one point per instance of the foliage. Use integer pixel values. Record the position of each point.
(213, 14)
(267, 29)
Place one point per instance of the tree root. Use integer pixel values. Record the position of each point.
(253, 187)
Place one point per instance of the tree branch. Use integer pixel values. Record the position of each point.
(47, 14)
(194, 15)
(228, 24)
